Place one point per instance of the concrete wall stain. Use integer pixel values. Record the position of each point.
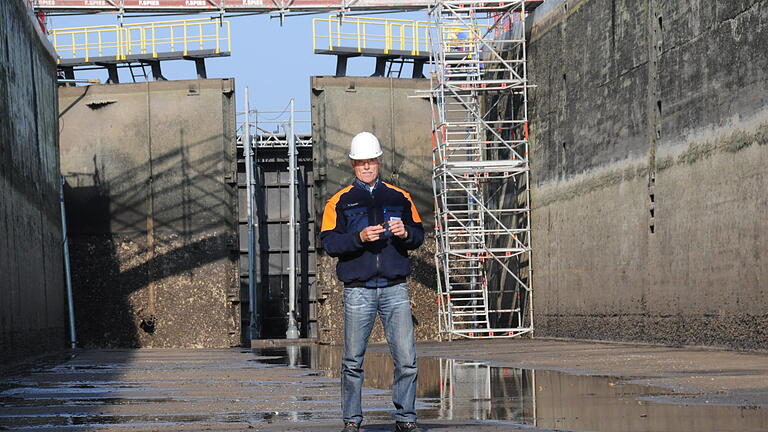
(649, 186)
(32, 303)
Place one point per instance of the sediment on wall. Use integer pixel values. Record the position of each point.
(151, 202)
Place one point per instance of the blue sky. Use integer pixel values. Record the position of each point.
(274, 61)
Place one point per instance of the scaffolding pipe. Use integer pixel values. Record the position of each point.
(293, 330)
(253, 327)
(67, 269)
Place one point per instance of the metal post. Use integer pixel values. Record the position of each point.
(253, 326)
(293, 331)
(67, 270)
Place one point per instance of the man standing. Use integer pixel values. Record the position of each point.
(370, 226)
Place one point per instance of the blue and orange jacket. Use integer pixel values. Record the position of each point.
(372, 264)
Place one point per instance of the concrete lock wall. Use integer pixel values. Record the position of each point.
(387, 107)
(151, 202)
(32, 292)
(649, 131)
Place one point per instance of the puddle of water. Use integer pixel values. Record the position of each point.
(161, 420)
(465, 390)
(448, 389)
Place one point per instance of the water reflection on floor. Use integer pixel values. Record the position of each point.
(452, 389)
(165, 390)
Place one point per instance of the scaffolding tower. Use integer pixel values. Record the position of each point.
(481, 168)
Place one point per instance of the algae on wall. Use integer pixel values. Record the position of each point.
(648, 127)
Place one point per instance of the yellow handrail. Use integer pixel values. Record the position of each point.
(142, 38)
(384, 34)
(369, 33)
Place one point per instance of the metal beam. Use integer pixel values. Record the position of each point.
(221, 6)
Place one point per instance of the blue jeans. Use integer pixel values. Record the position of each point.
(360, 308)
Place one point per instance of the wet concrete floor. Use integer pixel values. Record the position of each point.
(479, 386)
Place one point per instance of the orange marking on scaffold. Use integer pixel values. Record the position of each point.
(525, 130)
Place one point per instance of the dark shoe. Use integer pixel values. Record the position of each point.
(407, 427)
(351, 427)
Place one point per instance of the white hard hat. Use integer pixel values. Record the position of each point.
(365, 145)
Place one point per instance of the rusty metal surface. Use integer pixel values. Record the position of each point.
(149, 169)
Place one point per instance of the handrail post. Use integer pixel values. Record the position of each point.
(86, 46)
(359, 49)
(154, 46)
(338, 32)
(387, 35)
(330, 35)
(218, 50)
(185, 39)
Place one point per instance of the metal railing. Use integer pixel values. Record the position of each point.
(365, 33)
(142, 39)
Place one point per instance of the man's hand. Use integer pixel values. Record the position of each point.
(371, 233)
(397, 228)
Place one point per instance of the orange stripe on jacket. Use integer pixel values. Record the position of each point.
(329, 215)
(414, 213)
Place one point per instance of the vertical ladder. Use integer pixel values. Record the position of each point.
(141, 73)
(481, 169)
(395, 68)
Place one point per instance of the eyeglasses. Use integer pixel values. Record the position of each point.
(374, 161)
